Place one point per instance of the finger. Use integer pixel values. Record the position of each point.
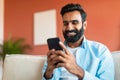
(60, 53)
(50, 52)
(53, 56)
(60, 65)
(64, 47)
(59, 59)
(51, 61)
(55, 61)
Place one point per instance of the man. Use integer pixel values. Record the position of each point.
(81, 58)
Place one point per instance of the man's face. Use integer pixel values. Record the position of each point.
(73, 28)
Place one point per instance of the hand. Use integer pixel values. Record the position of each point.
(51, 63)
(68, 61)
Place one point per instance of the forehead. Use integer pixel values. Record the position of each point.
(74, 15)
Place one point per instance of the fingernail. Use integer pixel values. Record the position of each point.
(53, 49)
(60, 42)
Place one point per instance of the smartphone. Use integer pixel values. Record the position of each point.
(53, 43)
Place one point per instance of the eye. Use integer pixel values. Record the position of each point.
(75, 22)
(65, 23)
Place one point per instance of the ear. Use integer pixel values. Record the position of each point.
(84, 25)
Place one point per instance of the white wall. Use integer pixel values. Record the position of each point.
(1, 19)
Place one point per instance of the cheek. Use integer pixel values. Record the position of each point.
(63, 28)
(78, 27)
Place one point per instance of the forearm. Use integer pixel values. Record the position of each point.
(79, 72)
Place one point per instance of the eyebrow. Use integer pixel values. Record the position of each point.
(71, 20)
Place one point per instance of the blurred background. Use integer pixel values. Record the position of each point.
(103, 17)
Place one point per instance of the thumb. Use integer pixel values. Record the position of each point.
(64, 47)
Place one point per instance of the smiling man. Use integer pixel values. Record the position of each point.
(80, 59)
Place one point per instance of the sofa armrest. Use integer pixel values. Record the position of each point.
(116, 58)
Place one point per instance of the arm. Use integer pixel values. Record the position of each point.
(106, 67)
(68, 61)
(49, 66)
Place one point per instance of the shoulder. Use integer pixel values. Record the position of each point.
(98, 48)
(96, 44)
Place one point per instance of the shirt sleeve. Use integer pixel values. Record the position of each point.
(105, 69)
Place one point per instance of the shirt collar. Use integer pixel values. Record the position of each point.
(83, 45)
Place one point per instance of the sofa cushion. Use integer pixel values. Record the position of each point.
(23, 67)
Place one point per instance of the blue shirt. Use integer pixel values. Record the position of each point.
(95, 59)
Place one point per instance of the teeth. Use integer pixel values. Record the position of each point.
(71, 34)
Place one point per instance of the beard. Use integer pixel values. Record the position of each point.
(72, 39)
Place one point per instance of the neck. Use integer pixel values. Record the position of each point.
(76, 44)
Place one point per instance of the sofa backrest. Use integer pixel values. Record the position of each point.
(29, 67)
(23, 67)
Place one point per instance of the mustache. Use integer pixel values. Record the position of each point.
(69, 31)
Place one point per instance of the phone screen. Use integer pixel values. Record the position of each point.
(53, 43)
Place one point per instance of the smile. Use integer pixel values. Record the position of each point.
(71, 34)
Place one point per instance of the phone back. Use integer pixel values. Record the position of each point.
(53, 43)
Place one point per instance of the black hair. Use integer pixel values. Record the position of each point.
(72, 7)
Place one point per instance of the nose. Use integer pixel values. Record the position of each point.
(69, 26)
